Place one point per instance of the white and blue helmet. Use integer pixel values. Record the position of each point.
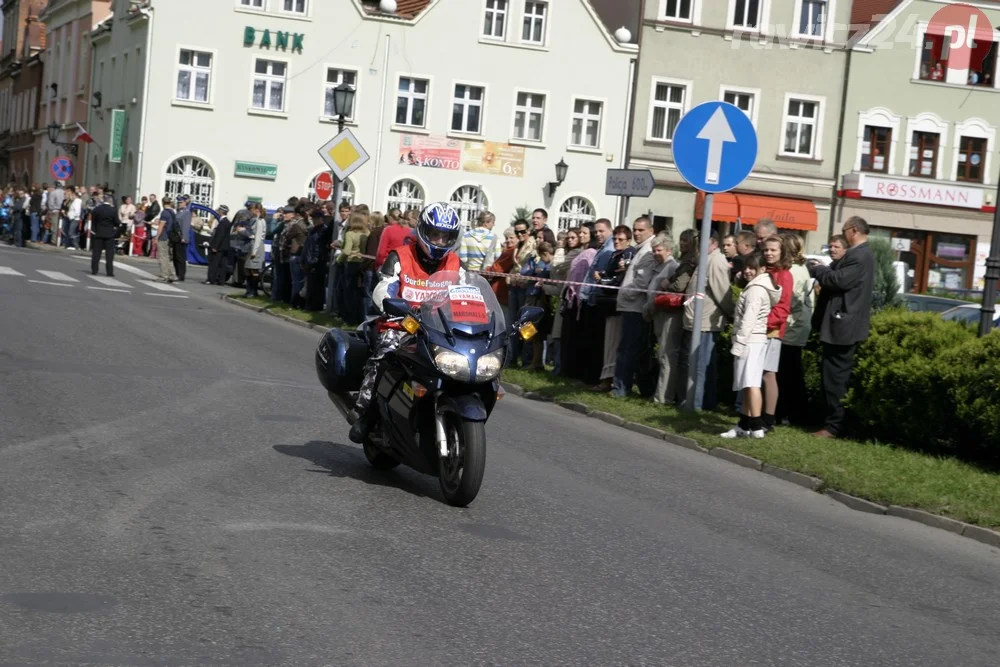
(438, 230)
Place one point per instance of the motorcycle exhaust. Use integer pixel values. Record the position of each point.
(345, 405)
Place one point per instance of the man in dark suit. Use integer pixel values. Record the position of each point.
(103, 230)
(848, 286)
(218, 249)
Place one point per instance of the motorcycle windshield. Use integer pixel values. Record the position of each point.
(462, 302)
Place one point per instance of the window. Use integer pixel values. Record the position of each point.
(189, 176)
(411, 102)
(252, 4)
(347, 194)
(924, 154)
(935, 53)
(334, 78)
(269, 85)
(876, 149)
(533, 30)
(586, 129)
(469, 201)
(294, 6)
(467, 109)
(574, 212)
(742, 100)
(812, 18)
(667, 108)
(529, 113)
(971, 159)
(800, 120)
(676, 10)
(746, 14)
(405, 194)
(194, 74)
(496, 19)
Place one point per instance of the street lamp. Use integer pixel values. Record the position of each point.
(992, 275)
(561, 169)
(343, 104)
(53, 130)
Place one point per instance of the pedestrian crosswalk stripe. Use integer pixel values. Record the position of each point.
(110, 282)
(46, 282)
(109, 289)
(122, 266)
(163, 287)
(55, 275)
(7, 271)
(172, 296)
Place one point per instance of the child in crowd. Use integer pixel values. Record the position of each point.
(749, 345)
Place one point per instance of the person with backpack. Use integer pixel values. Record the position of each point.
(168, 232)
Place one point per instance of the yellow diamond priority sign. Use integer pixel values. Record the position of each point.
(343, 154)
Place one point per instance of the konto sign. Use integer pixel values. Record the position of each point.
(968, 35)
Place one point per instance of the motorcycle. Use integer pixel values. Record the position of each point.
(438, 388)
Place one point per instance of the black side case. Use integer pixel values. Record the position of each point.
(340, 360)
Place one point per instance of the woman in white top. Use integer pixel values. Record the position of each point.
(73, 213)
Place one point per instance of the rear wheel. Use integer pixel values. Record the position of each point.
(461, 472)
(377, 458)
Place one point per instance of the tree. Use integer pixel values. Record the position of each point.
(520, 213)
(886, 293)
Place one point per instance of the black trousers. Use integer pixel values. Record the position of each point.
(316, 287)
(793, 401)
(838, 360)
(216, 267)
(178, 253)
(108, 246)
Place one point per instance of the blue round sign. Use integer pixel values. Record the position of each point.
(715, 146)
(61, 168)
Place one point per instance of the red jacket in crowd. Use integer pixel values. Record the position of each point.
(778, 319)
(393, 236)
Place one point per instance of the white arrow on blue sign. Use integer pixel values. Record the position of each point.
(715, 147)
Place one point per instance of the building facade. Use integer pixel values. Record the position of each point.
(783, 63)
(468, 101)
(920, 144)
(20, 73)
(66, 97)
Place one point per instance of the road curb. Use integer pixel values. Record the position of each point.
(737, 458)
(978, 533)
(855, 503)
(811, 483)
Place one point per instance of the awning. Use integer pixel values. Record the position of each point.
(798, 214)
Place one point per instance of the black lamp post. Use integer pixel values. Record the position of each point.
(992, 275)
(53, 130)
(343, 104)
(561, 169)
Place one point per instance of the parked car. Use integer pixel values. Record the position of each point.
(919, 303)
(968, 313)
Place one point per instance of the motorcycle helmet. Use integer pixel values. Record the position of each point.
(438, 230)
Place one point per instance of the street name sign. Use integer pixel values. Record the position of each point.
(629, 183)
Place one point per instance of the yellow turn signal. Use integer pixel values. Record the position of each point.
(411, 325)
(528, 331)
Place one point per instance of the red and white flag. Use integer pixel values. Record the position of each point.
(83, 135)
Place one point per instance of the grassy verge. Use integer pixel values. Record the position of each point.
(319, 318)
(882, 473)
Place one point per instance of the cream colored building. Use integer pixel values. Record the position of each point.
(469, 101)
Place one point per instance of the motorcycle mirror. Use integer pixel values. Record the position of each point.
(531, 314)
(396, 307)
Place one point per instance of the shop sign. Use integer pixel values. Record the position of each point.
(433, 152)
(279, 40)
(267, 172)
(116, 146)
(915, 192)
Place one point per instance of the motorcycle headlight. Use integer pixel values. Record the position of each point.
(489, 365)
(452, 364)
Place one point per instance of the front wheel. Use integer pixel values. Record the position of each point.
(461, 472)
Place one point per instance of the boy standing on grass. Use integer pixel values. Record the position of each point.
(749, 345)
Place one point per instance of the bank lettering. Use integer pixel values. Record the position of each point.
(283, 41)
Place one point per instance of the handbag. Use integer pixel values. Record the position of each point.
(671, 301)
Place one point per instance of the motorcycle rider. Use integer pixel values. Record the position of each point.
(404, 274)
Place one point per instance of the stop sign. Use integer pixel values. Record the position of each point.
(324, 186)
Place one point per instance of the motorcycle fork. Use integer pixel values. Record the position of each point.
(439, 430)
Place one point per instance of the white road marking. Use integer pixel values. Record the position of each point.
(127, 268)
(110, 289)
(163, 287)
(7, 271)
(169, 296)
(110, 282)
(46, 282)
(56, 275)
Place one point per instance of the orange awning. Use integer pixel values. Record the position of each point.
(799, 214)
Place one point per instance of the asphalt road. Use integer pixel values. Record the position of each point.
(175, 489)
